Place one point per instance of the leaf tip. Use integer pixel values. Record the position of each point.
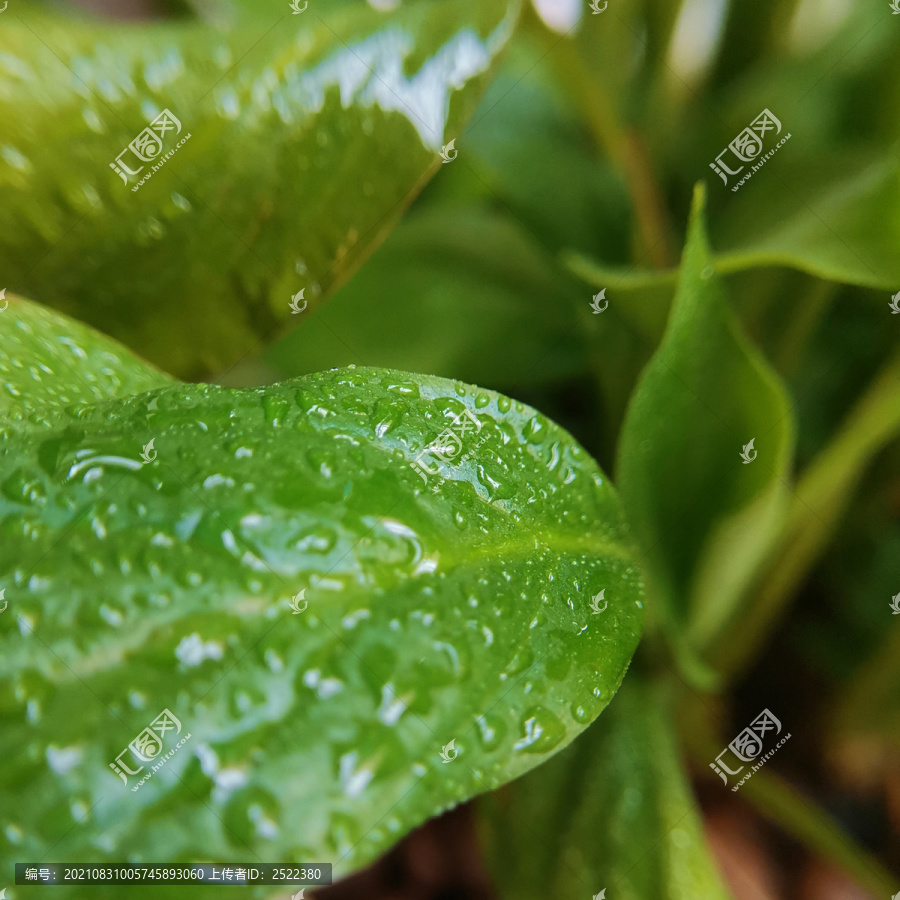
(698, 202)
(697, 244)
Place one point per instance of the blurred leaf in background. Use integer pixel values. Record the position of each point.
(708, 419)
(613, 812)
(308, 136)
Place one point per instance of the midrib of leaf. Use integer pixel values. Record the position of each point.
(558, 542)
(138, 636)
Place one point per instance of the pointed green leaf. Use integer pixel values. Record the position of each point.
(147, 577)
(845, 229)
(299, 141)
(816, 511)
(703, 516)
(612, 812)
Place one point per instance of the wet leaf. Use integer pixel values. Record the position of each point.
(707, 401)
(299, 141)
(612, 812)
(152, 545)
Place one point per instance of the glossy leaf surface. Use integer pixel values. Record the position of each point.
(147, 577)
(308, 136)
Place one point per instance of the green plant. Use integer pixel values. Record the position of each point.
(367, 594)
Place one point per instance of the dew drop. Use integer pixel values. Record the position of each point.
(579, 713)
(491, 731)
(542, 731)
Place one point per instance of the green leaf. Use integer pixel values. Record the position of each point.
(455, 609)
(836, 227)
(50, 362)
(702, 517)
(308, 136)
(626, 278)
(449, 286)
(815, 512)
(614, 811)
(530, 147)
(845, 227)
(750, 36)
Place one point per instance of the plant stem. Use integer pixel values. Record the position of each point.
(754, 32)
(819, 500)
(806, 315)
(780, 802)
(624, 146)
(798, 816)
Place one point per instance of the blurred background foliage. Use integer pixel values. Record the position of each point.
(575, 173)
